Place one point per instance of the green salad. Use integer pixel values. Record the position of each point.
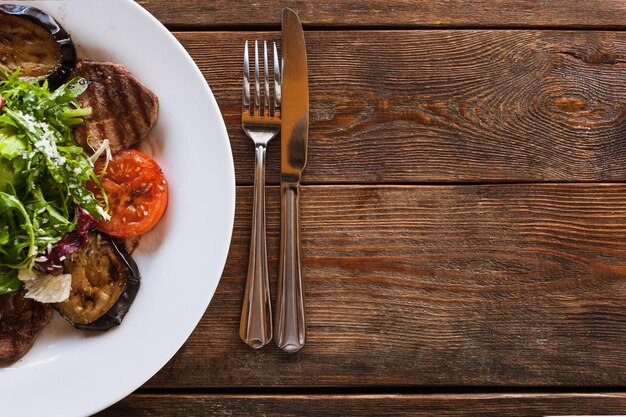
(43, 173)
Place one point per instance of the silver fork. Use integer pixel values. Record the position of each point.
(261, 123)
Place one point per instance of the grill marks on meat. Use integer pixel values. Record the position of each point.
(124, 110)
(21, 320)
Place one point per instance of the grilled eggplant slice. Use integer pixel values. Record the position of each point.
(35, 42)
(105, 281)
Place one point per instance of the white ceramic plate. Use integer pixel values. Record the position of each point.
(72, 373)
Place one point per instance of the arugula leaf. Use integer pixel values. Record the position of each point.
(9, 281)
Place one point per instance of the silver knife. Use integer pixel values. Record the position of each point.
(290, 325)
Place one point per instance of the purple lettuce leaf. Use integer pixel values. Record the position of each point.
(70, 243)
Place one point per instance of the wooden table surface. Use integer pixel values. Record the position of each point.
(463, 213)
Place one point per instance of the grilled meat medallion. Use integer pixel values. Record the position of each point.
(124, 110)
(21, 320)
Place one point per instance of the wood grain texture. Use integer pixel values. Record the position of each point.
(444, 106)
(485, 405)
(518, 285)
(393, 13)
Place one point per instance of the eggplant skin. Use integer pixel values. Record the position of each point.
(105, 281)
(67, 57)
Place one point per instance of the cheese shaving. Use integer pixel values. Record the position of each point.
(101, 149)
(46, 288)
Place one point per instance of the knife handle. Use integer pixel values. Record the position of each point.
(290, 326)
(255, 327)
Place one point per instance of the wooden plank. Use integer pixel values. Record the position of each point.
(393, 13)
(444, 106)
(458, 405)
(519, 285)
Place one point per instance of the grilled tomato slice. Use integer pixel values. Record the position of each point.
(137, 193)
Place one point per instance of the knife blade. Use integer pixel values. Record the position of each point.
(295, 99)
(290, 325)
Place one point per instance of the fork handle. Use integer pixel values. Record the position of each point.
(290, 322)
(255, 327)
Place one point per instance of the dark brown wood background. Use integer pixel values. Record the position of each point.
(464, 213)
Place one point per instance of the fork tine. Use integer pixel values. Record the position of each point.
(246, 79)
(257, 87)
(266, 79)
(277, 82)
